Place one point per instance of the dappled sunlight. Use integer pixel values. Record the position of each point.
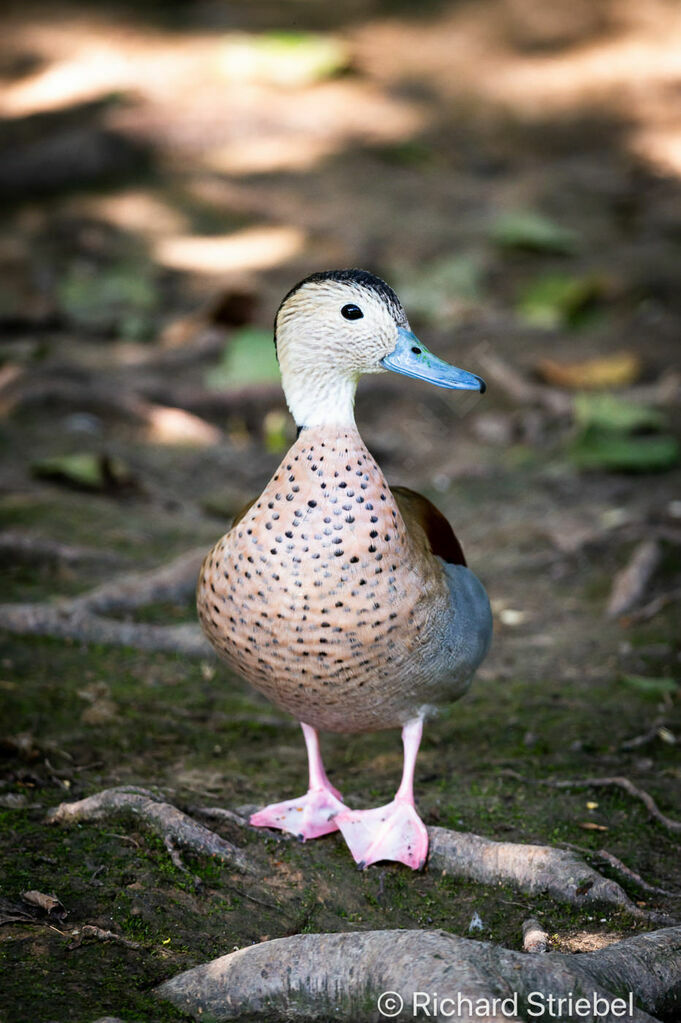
(241, 103)
(255, 248)
(634, 70)
(136, 210)
(177, 426)
(659, 146)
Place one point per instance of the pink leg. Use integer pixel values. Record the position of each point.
(394, 831)
(314, 813)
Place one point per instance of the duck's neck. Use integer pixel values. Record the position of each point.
(319, 397)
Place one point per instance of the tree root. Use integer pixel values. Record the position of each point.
(534, 869)
(628, 787)
(175, 828)
(23, 548)
(614, 782)
(316, 977)
(652, 608)
(82, 618)
(535, 938)
(631, 583)
(631, 875)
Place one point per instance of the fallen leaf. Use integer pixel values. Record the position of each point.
(225, 503)
(291, 59)
(618, 370)
(177, 426)
(608, 449)
(84, 471)
(121, 298)
(608, 412)
(512, 617)
(651, 686)
(442, 290)
(49, 904)
(530, 230)
(248, 358)
(551, 301)
(275, 428)
(592, 826)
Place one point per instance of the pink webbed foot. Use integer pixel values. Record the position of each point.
(311, 816)
(391, 832)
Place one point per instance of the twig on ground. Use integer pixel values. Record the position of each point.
(359, 975)
(522, 390)
(616, 782)
(535, 938)
(162, 818)
(632, 876)
(90, 931)
(652, 608)
(621, 868)
(620, 783)
(630, 584)
(217, 813)
(657, 730)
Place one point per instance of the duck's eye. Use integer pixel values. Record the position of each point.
(352, 312)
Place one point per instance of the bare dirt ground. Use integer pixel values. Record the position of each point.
(168, 172)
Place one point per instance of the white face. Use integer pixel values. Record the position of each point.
(341, 328)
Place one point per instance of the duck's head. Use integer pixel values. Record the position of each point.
(333, 327)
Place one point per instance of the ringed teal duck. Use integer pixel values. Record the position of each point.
(346, 603)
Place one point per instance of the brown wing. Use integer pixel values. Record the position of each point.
(423, 518)
(239, 515)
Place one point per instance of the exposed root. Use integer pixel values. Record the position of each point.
(82, 618)
(535, 938)
(652, 608)
(63, 623)
(534, 869)
(628, 787)
(172, 582)
(657, 730)
(520, 389)
(316, 977)
(218, 813)
(621, 868)
(631, 875)
(631, 583)
(27, 549)
(175, 828)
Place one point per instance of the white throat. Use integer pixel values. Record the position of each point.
(318, 396)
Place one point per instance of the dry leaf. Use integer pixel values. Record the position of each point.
(618, 370)
(49, 904)
(592, 826)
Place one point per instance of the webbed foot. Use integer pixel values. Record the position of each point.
(391, 832)
(311, 816)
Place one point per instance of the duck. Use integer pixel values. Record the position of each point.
(346, 602)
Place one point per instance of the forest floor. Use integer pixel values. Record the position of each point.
(515, 231)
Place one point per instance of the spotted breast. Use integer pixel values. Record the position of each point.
(318, 598)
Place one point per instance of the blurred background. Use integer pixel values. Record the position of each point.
(168, 170)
